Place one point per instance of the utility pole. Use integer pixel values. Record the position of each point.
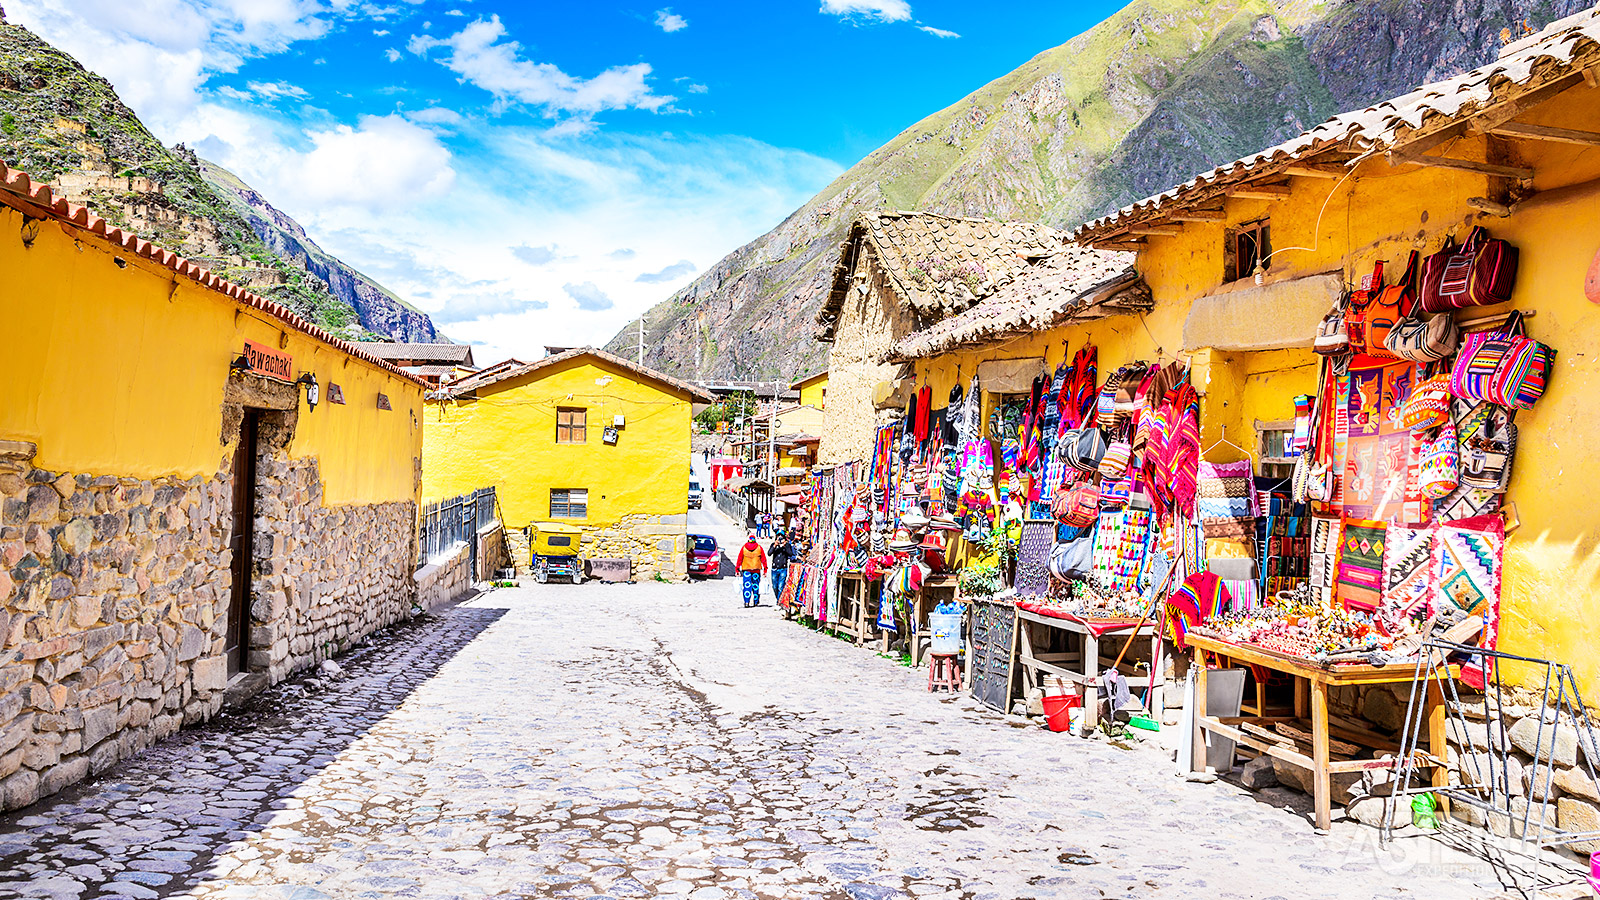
(772, 440)
(641, 341)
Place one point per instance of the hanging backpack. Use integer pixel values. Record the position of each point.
(1507, 367)
(1361, 299)
(1480, 272)
(1088, 448)
(1428, 407)
(1073, 558)
(1387, 309)
(1077, 505)
(1333, 339)
(1114, 464)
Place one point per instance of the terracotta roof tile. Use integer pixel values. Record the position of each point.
(1561, 51)
(17, 189)
(501, 372)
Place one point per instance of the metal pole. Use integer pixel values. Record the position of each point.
(772, 443)
(641, 341)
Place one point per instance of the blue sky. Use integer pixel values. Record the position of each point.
(534, 173)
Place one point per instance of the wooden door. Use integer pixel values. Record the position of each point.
(241, 542)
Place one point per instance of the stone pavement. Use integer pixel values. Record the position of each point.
(657, 740)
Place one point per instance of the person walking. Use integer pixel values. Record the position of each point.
(752, 564)
(781, 552)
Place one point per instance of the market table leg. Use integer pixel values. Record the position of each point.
(1319, 752)
(1091, 691)
(1437, 744)
(1197, 757)
(1155, 700)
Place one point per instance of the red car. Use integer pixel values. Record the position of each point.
(705, 557)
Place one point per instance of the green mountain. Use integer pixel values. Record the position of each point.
(1153, 95)
(64, 124)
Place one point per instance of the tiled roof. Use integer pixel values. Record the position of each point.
(795, 385)
(501, 372)
(439, 353)
(17, 189)
(1549, 60)
(1053, 290)
(936, 264)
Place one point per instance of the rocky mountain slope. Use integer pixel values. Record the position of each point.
(63, 123)
(1160, 91)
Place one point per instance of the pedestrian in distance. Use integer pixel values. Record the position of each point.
(752, 564)
(781, 552)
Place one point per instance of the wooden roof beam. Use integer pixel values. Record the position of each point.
(1198, 215)
(1547, 133)
(1317, 170)
(1495, 170)
(1155, 230)
(1261, 191)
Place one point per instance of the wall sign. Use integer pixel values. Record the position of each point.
(335, 394)
(609, 435)
(264, 360)
(383, 402)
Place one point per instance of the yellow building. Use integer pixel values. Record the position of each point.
(176, 517)
(1511, 146)
(813, 390)
(583, 437)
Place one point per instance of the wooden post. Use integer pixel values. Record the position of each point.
(1197, 760)
(1091, 674)
(1319, 753)
(1438, 742)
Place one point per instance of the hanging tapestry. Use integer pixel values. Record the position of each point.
(1324, 555)
(1201, 596)
(1227, 491)
(1467, 561)
(1033, 559)
(1381, 460)
(1360, 584)
(1302, 425)
(1407, 575)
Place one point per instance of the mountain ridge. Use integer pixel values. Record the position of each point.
(1159, 91)
(63, 124)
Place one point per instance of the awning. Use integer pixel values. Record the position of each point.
(1262, 317)
(1010, 376)
(789, 490)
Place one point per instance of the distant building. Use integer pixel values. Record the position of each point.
(436, 364)
(584, 438)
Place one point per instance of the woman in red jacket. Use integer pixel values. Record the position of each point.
(752, 564)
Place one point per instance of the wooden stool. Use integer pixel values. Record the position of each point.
(944, 672)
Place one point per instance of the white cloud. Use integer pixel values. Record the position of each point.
(882, 10)
(277, 90)
(380, 32)
(384, 163)
(671, 273)
(589, 297)
(937, 32)
(392, 55)
(534, 256)
(478, 307)
(480, 56)
(669, 21)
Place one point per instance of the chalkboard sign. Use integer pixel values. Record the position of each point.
(992, 627)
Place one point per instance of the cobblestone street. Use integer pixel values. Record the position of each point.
(660, 741)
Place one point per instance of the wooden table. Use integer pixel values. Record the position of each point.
(858, 607)
(1087, 659)
(1313, 700)
(935, 589)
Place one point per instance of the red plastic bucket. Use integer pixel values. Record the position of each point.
(1058, 710)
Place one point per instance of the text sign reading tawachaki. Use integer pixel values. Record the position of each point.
(266, 361)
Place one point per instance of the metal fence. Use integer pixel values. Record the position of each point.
(456, 519)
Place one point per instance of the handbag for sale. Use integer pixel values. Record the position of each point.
(1487, 450)
(1428, 407)
(1424, 339)
(1088, 448)
(1508, 367)
(1480, 272)
(1387, 309)
(1114, 464)
(1332, 337)
(1441, 464)
(1361, 300)
(1074, 558)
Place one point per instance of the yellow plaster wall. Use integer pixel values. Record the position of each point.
(508, 439)
(121, 371)
(1551, 591)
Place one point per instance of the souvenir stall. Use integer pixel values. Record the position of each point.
(1399, 493)
(1114, 532)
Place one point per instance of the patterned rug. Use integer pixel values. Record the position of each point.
(1407, 575)
(1360, 584)
(1467, 560)
(1033, 559)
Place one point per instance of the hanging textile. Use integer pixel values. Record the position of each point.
(1407, 575)
(1360, 584)
(924, 414)
(1381, 459)
(1033, 559)
(1202, 595)
(1468, 557)
(1226, 491)
(1302, 425)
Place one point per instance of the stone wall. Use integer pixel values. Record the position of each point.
(438, 583)
(115, 592)
(870, 323)
(658, 545)
(493, 552)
